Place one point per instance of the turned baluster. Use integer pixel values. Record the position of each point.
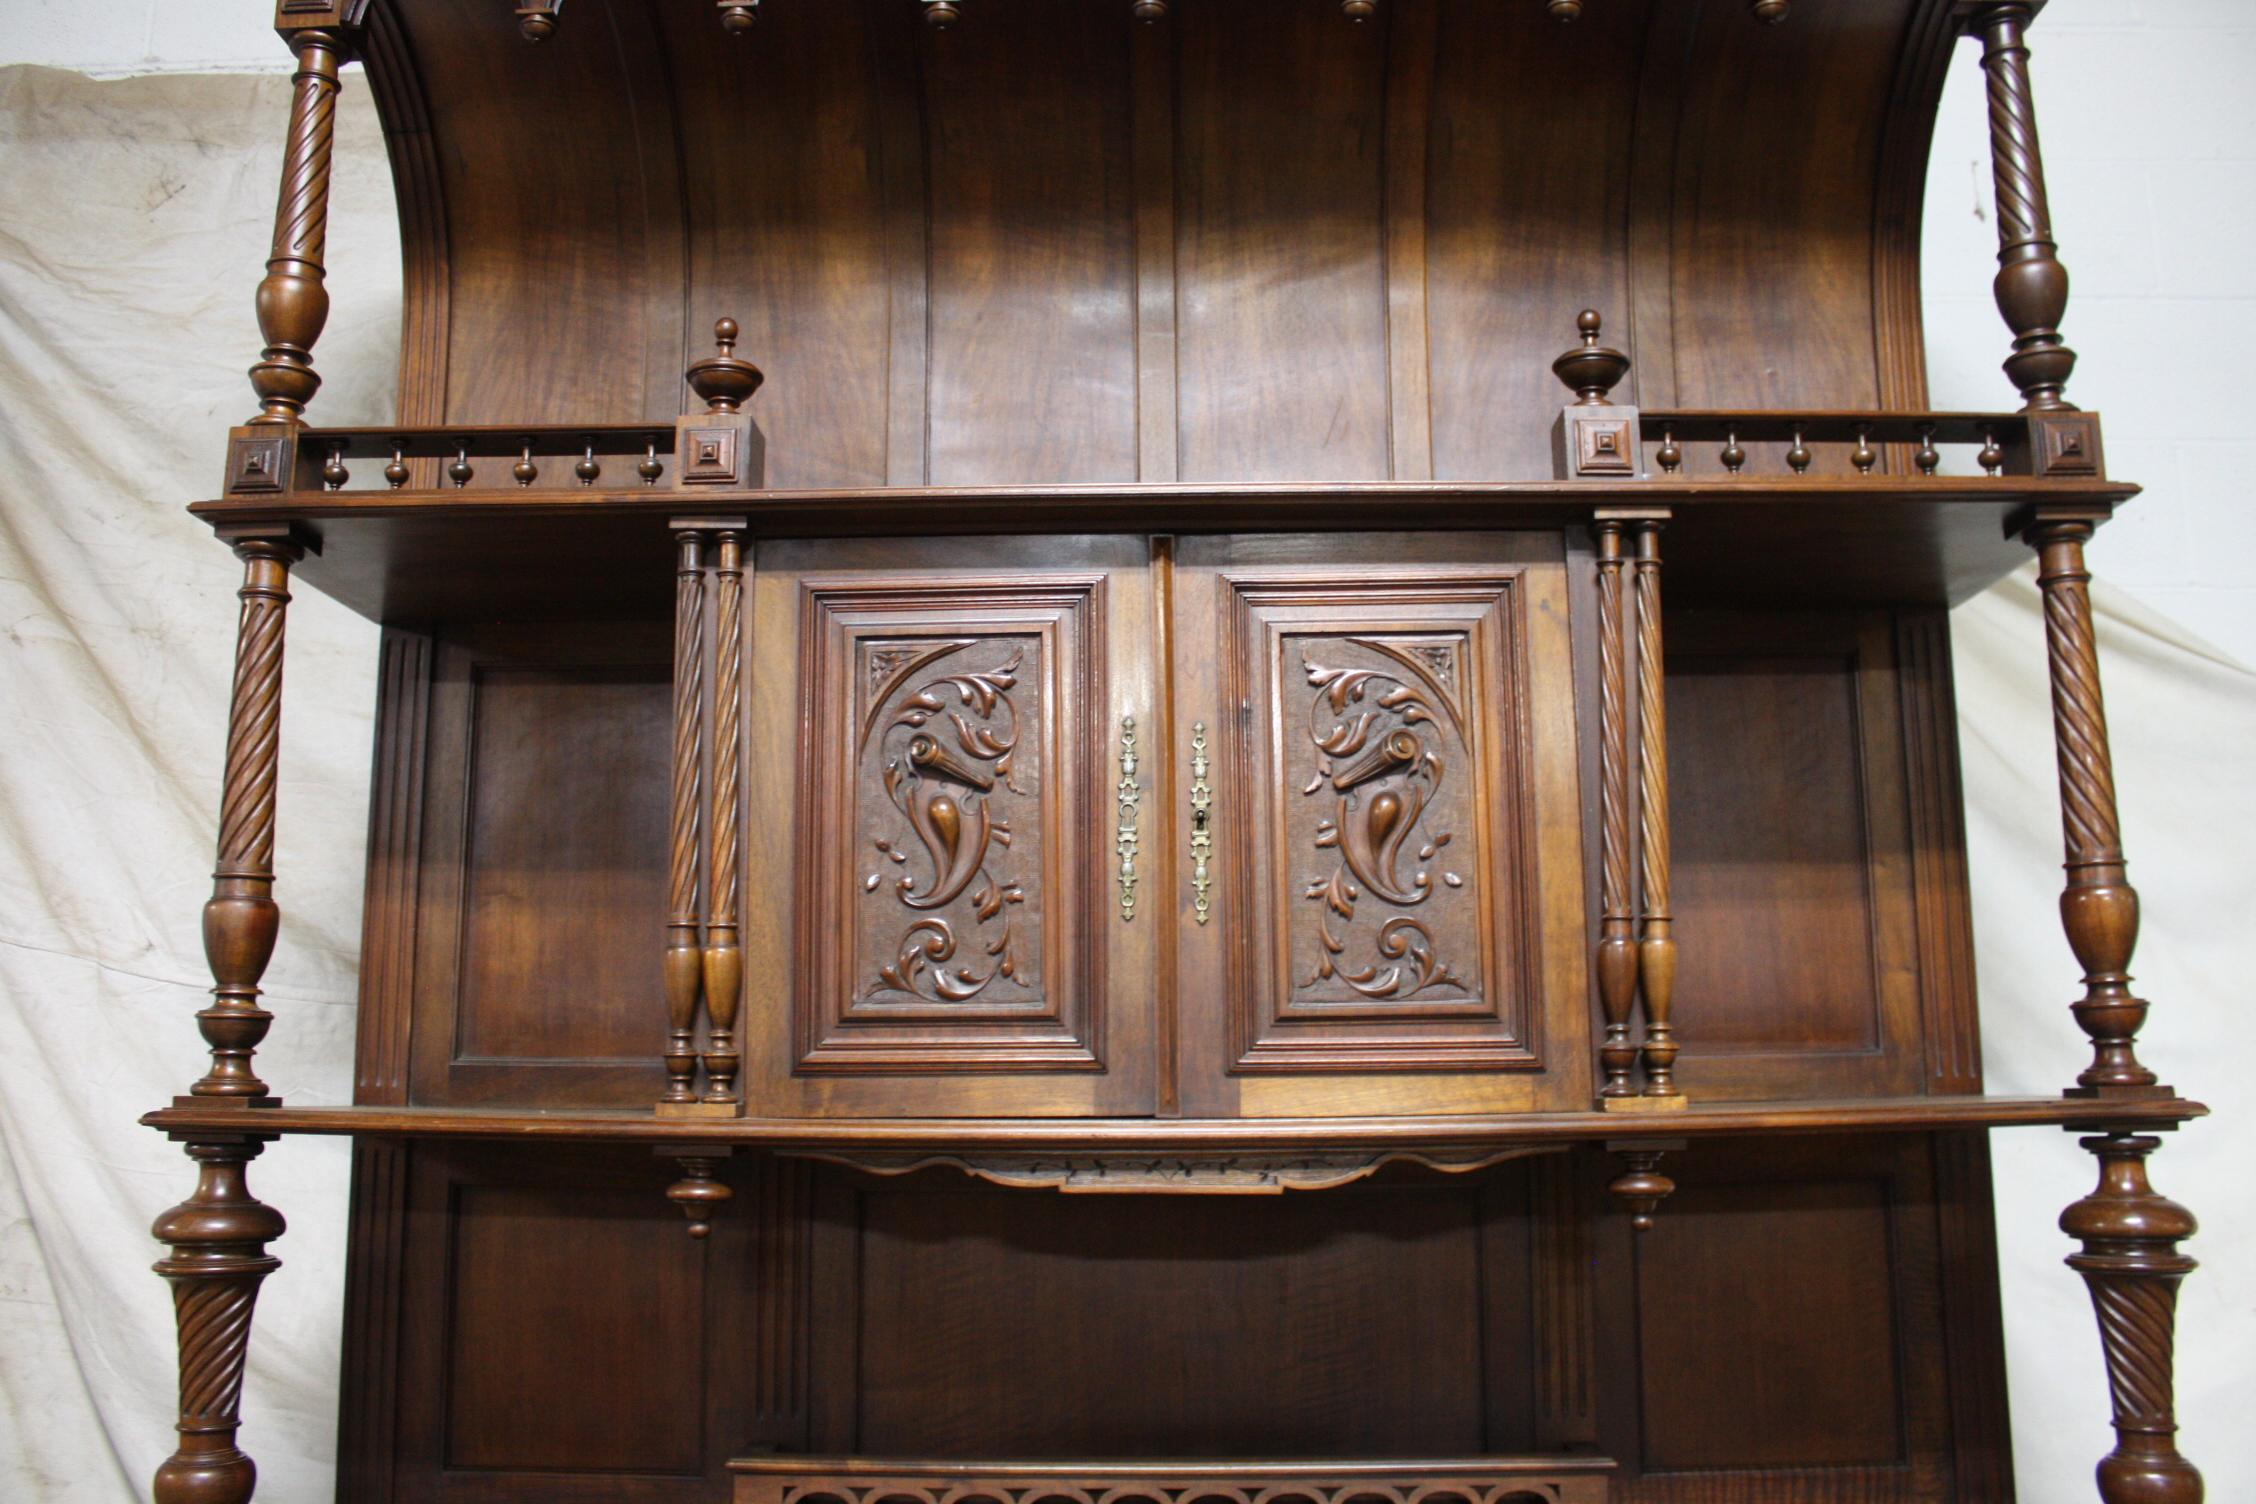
(588, 470)
(683, 968)
(650, 467)
(241, 920)
(1656, 945)
(1864, 456)
(333, 471)
(1992, 458)
(1616, 963)
(396, 473)
(293, 302)
(1927, 457)
(1670, 455)
(459, 469)
(1734, 457)
(1798, 458)
(525, 471)
(2031, 285)
(218, 1258)
(724, 960)
(2131, 1264)
(2099, 908)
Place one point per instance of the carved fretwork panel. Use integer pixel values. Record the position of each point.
(1381, 840)
(949, 748)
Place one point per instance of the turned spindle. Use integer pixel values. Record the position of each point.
(536, 19)
(1591, 370)
(333, 471)
(2099, 908)
(724, 959)
(1992, 458)
(1927, 458)
(2032, 284)
(1656, 943)
(2131, 1265)
(396, 473)
(241, 920)
(1734, 456)
(525, 471)
(683, 968)
(293, 299)
(587, 469)
(739, 16)
(649, 467)
(1864, 456)
(459, 469)
(1798, 458)
(1616, 962)
(217, 1260)
(1670, 455)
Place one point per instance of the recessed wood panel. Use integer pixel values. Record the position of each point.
(1033, 317)
(1279, 261)
(1341, 1324)
(540, 903)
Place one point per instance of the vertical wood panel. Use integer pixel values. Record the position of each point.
(1409, 126)
(1525, 222)
(903, 173)
(1033, 296)
(395, 847)
(1281, 296)
(1157, 417)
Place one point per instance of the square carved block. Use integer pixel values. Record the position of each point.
(707, 455)
(1386, 831)
(953, 778)
(1605, 446)
(257, 463)
(2067, 444)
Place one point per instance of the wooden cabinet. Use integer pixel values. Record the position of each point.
(1254, 803)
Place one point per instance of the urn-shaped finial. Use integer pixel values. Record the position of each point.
(1591, 369)
(725, 382)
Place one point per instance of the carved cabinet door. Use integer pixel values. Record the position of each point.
(1381, 890)
(937, 915)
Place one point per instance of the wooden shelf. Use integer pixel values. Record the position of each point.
(412, 557)
(1165, 1135)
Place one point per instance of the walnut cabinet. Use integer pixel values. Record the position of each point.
(1167, 752)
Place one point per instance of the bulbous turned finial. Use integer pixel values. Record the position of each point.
(738, 16)
(941, 13)
(1771, 12)
(536, 19)
(1148, 11)
(1591, 369)
(1359, 10)
(725, 382)
(1565, 10)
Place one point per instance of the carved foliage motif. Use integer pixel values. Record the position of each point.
(947, 738)
(1496, 1481)
(1384, 738)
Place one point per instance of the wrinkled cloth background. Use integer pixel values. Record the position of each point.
(133, 224)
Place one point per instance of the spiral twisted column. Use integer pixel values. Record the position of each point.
(682, 970)
(1616, 962)
(724, 959)
(1656, 943)
(2099, 908)
(218, 1239)
(2031, 285)
(293, 299)
(2131, 1264)
(241, 919)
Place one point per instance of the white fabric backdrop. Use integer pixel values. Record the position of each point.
(133, 220)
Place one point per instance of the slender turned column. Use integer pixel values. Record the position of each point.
(2131, 1263)
(293, 303)
(2099, 907)
(218, 1238)
(684, 962)
(2031, 284)
(241, 920)
(724, 961)
(1656, 946)
(1617, 947)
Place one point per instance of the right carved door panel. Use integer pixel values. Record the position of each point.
(1392, 888)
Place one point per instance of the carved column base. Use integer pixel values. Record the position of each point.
(2131, 1263)
(218, 1259)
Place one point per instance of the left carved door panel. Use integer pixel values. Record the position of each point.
(539, 863)
(934, 922)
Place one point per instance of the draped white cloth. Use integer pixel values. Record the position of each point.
(133, 225)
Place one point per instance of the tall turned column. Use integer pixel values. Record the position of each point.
(2131, 1263)
(2031, 284)
(241, 920)
(1616, 962)
(293, 302)
(683, 967)
(218, 1238)
(2099, 907)
(1656, 942)
(724, 960)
